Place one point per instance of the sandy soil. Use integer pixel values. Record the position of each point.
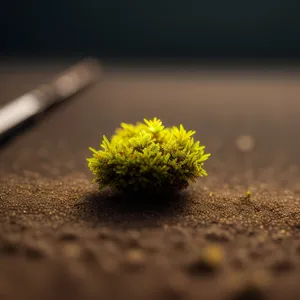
(62, 239)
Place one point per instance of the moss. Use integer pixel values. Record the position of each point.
(148, 156)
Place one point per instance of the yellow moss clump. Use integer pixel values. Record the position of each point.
(148, 156)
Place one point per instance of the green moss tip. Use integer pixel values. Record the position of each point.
(148, 156)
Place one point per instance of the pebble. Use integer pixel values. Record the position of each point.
(135, 259)
(208, 261)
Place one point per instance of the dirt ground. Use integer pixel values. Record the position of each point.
(62, 239)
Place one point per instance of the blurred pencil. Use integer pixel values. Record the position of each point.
(39, 100)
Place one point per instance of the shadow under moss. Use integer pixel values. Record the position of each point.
(132, 209)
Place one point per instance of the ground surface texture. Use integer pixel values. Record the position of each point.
(62, 239)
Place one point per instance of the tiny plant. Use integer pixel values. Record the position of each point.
(148, 156)
(248, 195)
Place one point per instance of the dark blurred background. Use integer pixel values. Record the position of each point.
(217, 29)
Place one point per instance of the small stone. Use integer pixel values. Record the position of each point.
(135, 259)
(208, 262)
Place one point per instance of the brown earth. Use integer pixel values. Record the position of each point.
(62, 239)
